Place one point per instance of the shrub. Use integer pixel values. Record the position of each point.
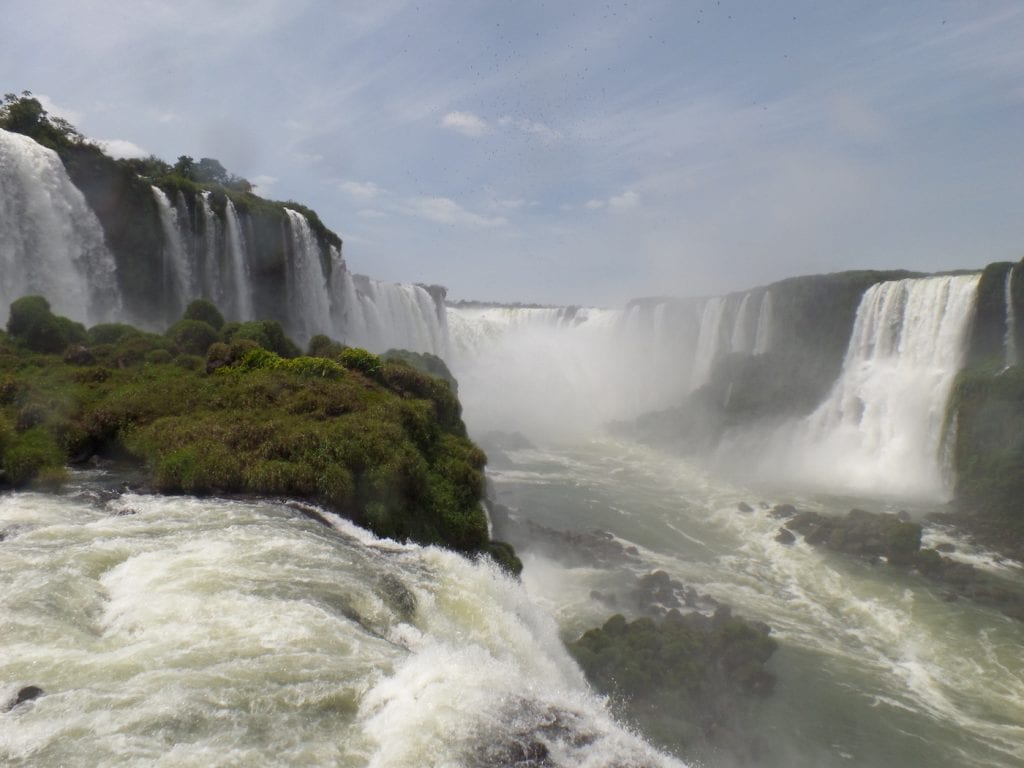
(313, 367)
(269, 334)
(158, 357)
(205, 312)
(259, 359)
(109, 333)
(324, 346)
(33, 324)
(356, 359)
(192, 337)
(28, 453)
(189, 362)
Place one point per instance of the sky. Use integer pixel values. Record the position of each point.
(571, 152)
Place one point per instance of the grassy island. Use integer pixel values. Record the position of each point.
(222, 408)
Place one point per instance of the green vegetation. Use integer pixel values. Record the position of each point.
(25, 114)
(374, 440)
(682, 678)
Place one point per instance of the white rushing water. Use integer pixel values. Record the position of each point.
(239, 286)
(308, 295)
(1010, 338)
(51, 242)
(881, 428)
(380, 316)
(178, 268)
(174, 631)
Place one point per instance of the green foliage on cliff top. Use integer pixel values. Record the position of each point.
(384, 447)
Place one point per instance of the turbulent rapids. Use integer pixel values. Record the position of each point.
(174, 631)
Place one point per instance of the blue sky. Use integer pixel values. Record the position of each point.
(573, 152)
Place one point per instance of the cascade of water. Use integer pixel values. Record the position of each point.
(740, 341)
(763, 336)
(709, 342)
(309, 302)
(207, 250)
(175, 254)
(1010, 339)
(240, 294)
(881, 427)
(50, 240)
(381, 316)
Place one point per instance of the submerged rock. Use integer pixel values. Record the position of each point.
(785, 536)
(744, 507)
(28, 693)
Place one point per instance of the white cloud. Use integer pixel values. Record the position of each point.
(120, 148)
(360, 190)
(595, 204)
(370, 213)
(444, 210)
(465, 123)
(262, 184)
(624, 202)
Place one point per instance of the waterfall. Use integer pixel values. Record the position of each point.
(740, 341)
(381, 316)
(881, 428)
(763, 336)
(208, 251)
(1010, 339)
(709, 345)
(51, 242)
(175, 255)
(239, 293)
(309, 302)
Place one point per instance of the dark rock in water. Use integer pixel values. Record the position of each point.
(744, 507)
(658, 589)
(398, 596)
(311, 512)
(763, 505)
(593, 548)
(79, 355)
(785, 536)
(945, 547)
(783, 511)
(873, 536)
(514, 754)
(684, 678)
(28, 693)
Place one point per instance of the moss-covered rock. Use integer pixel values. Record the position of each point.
(684, 678)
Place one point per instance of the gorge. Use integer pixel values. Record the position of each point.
(178, 629)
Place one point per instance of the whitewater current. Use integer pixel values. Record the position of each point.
(186, 632)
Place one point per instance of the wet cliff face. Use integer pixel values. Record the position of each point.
(145, 251)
